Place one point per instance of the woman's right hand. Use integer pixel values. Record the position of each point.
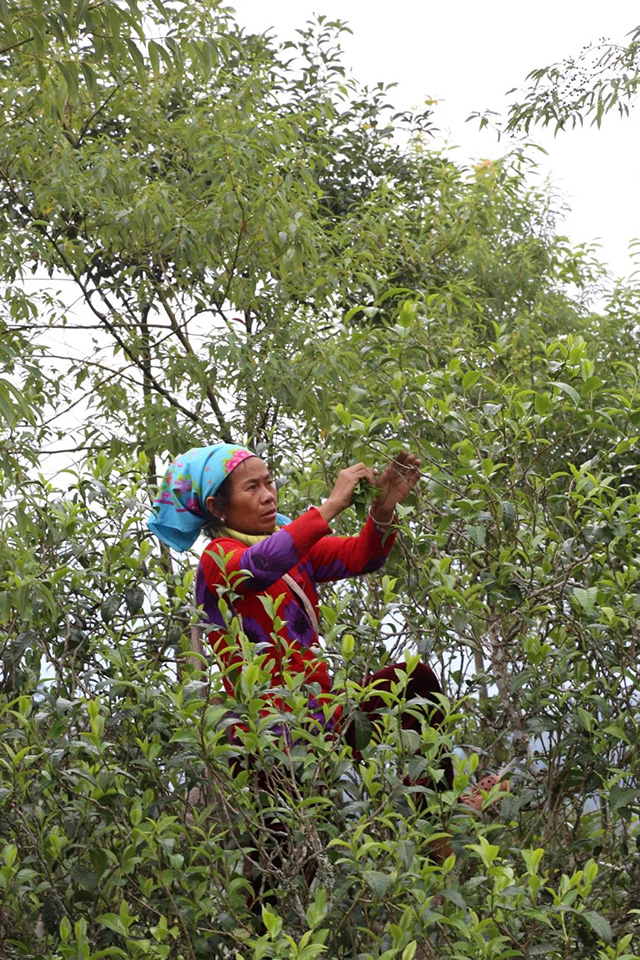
(342, 493)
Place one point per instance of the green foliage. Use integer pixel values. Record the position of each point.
(258, 257)
(102, 841)
(603, 77)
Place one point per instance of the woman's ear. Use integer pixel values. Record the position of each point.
(212, 508)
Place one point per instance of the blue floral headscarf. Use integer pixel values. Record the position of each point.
(179, 511)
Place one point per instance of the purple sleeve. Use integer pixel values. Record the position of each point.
(267, 561)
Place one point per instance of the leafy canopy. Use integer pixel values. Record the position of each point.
(260, 249)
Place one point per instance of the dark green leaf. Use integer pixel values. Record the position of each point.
(377, 882)
(134, 599)
(599, 924)
(110, 607)
(85, 877)
(363, 730)
(507, 513)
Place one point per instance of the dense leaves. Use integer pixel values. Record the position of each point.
(263, 250)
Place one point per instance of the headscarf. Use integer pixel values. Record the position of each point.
(179, 511)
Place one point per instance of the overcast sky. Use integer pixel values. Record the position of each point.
(468, 54)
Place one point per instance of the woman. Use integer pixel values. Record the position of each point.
(228, 492)
(260, 556)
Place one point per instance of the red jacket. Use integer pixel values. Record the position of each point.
(305, 550)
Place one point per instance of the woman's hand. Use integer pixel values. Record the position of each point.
(342, 493)
(396, 483)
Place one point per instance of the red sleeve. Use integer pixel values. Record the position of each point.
(336, 558)
(267, 561)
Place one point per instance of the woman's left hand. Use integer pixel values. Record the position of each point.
(396, 483)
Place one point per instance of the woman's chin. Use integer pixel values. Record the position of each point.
(267, 525)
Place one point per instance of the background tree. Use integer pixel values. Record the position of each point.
(259, 257)
(604, 76)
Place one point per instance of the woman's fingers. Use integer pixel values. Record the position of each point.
(360, 471)
(412, 469)
(409, 464)
(400, 476)
(395, 483)
(368, 474)
(348, 478)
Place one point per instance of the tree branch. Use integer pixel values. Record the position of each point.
(186, 343)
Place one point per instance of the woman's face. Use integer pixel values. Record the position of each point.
(254, 499)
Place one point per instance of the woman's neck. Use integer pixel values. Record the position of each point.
(249, 538)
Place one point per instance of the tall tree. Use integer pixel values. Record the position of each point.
(259, 257)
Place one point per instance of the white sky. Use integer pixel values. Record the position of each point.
(468, 54)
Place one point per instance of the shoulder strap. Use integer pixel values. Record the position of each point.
(304, 600)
